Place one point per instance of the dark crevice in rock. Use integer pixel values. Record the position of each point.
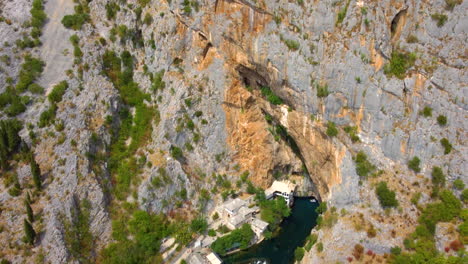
(285, 137)
(206, 49)
(398, 22)
(252, 78)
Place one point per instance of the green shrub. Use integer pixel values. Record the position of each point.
(440, 18)
(464, 196)
(16, 107)
(322, 91)
(438, 177)
(332, 131)
(395, 250)
(299, 253)
(446, 144)
(176, 152)
(442, 120)
(342, 14)
(412, 39)
(111, 10)
(427, 111)
(147, 231)
(415, 198)
(75, 40)
(212, 233)
(292, 44)
(271, 96)
(320, 247)
(31, 69)
(459, 184)
(414, 163)
(322, 208)
(9, 140)
(352, 132)
(47, 117)
(36, 88)
(158, 83)
(385, 195)
(399, 63)
(30, 234)
(38, 16)
(148, 19)
(55, 96)
(450, 4)
(363, 166)
(75, 21)
(78, 237)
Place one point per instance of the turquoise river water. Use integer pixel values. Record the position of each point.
(280, 249)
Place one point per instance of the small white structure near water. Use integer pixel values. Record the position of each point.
(284, 189)
(213, 258)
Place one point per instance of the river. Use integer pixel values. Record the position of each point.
(280, 249)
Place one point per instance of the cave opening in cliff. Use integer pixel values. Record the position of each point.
(397, 23)
(251, 78)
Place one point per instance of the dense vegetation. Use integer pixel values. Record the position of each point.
(271, 211)
(140, 241)
(238, 238)
(31, 69)
(420, 245)
(123, 164)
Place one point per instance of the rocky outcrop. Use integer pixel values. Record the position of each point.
(214, 62)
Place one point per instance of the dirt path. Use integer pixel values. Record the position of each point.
(55, 40)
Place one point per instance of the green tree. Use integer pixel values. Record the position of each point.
(385, 195)
(199, 225)
(442, 120)
(29, 211)
(36, 172)
(438, 177)
(9, 140)
(363, 166)
(241, 236)
(414, 163)
(447, 146)
(57, 92)
(273, 211)
(30, 234)
(78, 237)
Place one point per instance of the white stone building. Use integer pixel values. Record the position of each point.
(284, 189)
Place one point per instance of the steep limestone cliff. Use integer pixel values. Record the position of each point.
(234, 86)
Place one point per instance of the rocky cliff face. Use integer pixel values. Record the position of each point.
(238, 86)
